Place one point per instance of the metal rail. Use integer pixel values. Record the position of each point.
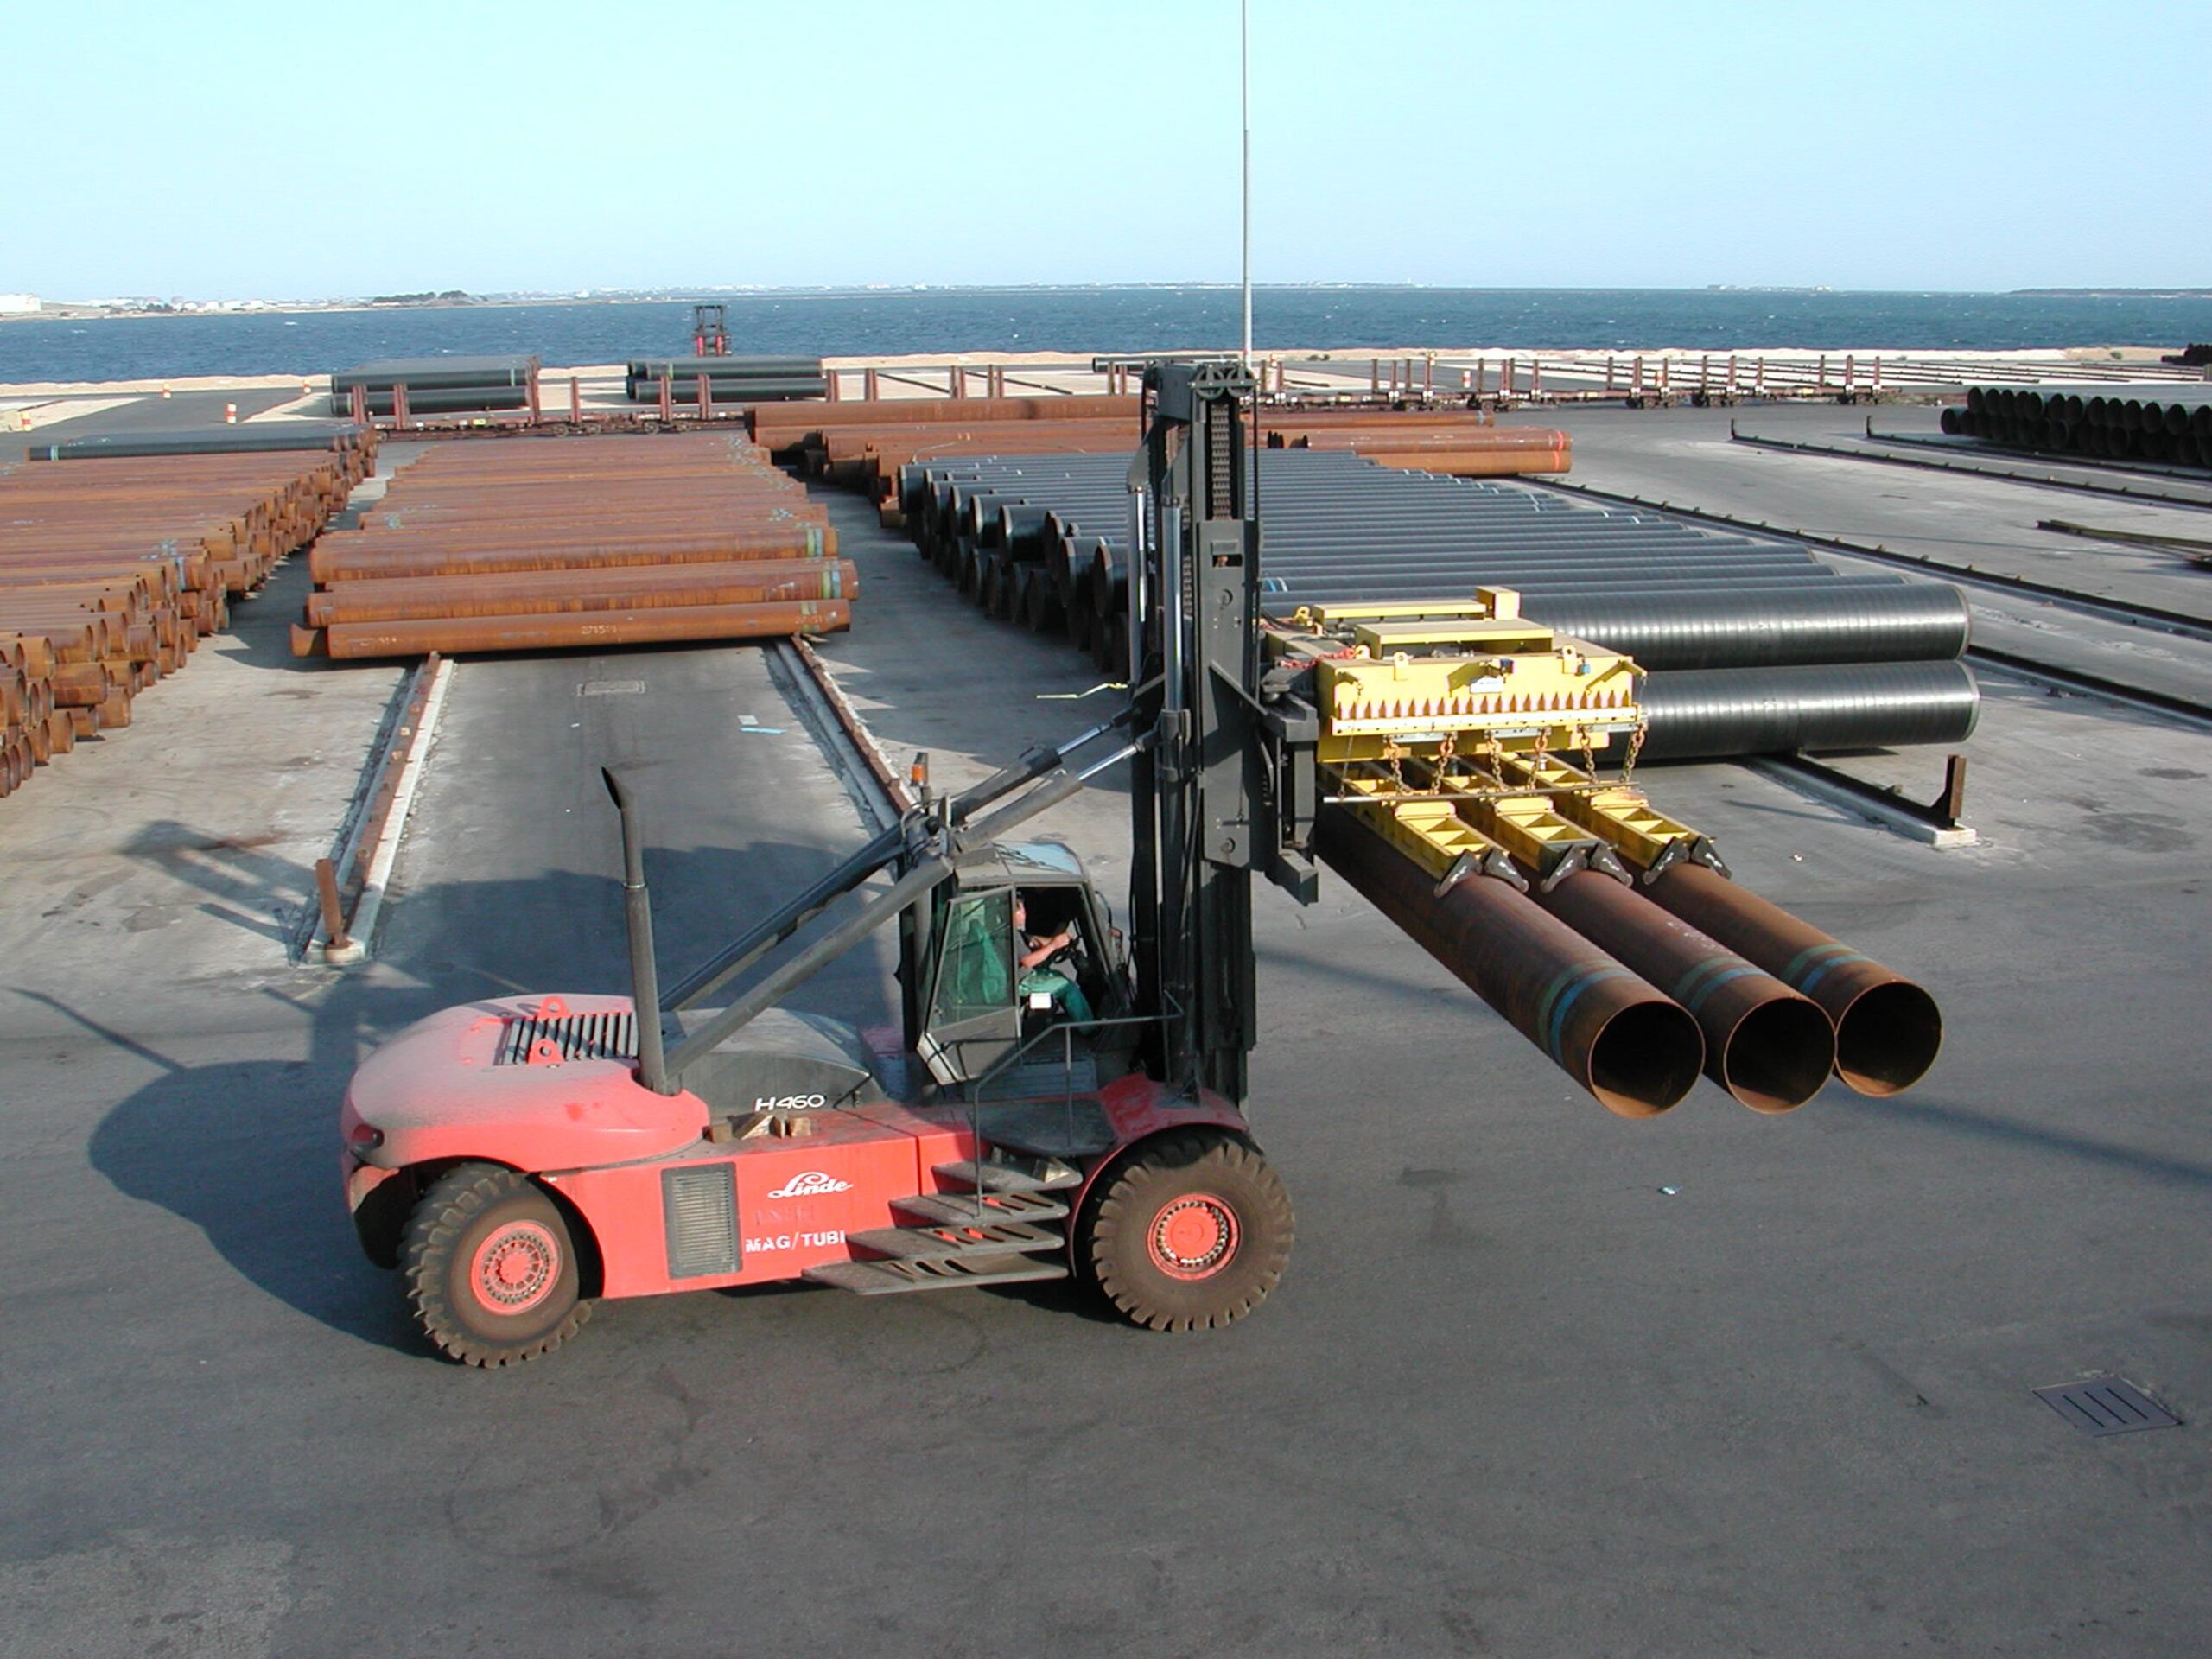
(1927, 464)
(2068, 679)
(1946, 812)
(2110, 609)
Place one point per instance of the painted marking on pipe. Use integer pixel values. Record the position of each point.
(1836, 955)
(1714, 973)
(1559, 999)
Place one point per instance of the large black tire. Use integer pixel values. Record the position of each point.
(1191, 1231)
(491, 1267)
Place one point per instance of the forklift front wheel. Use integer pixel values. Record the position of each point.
(491, 1268)
(1192, 1232)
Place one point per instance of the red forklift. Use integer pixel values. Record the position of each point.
(1062, 1098)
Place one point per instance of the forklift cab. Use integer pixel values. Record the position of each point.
(977, 1011)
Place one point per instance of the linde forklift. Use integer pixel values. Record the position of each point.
(518, 1157)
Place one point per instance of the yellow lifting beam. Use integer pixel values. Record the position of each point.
(1442, 723)
(1429, 832)
(1619, 813)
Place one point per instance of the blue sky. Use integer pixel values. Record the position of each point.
(296, 150)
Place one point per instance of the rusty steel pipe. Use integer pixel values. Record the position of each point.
(1769, 1047)
(631, 588)
(562, 629)
(354, 560)
(1613, 1034)
(1887, 1029)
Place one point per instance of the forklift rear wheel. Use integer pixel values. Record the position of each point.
(491, 1268)
(1192, 1232)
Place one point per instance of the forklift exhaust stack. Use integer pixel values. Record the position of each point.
(644, 974)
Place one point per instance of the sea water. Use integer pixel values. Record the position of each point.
(937, 321)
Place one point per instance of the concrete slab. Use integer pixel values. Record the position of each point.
(1684, 456)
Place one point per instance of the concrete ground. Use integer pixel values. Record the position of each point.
(1539, 1381)
(1953, 522)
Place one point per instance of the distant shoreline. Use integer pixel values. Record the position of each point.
(83, 311)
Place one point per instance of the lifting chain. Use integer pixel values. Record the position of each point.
(1635, 748)
(1491, 753)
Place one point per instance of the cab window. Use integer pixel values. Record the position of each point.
(974, 974)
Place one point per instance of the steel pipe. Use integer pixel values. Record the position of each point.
(1630, 1046)
(1769, 1047)
(1888, 1030)
(662, 625)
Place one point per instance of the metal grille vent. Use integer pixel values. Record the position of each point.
(2106, 1406)
(578, 1036)
(700, 1203)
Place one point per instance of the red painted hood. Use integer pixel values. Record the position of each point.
(437, 1090)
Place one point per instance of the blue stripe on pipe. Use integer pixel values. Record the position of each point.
(1715, 974)
(1559, 1001)
(1836, 955)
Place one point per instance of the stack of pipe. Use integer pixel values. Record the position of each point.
(593, 541)
(1459, 442)
(865, 443)
(2163, 424)
(437, 385)
(112, 569)
(730, 379)
(1754, 645)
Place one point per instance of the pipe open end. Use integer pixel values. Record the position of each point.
(1646, 1059)
(1778, 1056)
(1888, 1038)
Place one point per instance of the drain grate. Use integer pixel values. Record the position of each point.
(2105, 1405)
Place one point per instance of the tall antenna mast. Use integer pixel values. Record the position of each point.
(1245, 102)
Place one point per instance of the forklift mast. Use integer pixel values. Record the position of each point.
(1225, 784)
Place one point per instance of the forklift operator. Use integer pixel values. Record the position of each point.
(1036, 979)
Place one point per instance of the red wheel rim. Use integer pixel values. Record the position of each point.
(516, 1267)
(1193, 1236)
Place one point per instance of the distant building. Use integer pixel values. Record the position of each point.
(18, 305)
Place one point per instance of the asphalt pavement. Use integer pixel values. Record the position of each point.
(1538, 1381)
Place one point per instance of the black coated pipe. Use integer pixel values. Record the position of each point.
(1707, 713)
(433, 401)
(1834, 621)
(206, 441)
(434, 373)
